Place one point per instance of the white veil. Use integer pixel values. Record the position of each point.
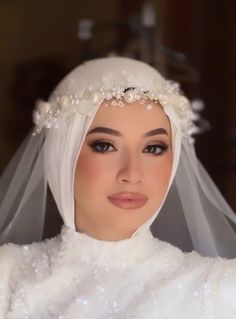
(194, 214)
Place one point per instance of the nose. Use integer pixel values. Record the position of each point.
(130, 170)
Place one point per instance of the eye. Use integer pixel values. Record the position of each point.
(156, 149)
(102, 147)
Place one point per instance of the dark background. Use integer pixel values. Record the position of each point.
(40, 44)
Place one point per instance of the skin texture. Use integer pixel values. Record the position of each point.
(131, 163)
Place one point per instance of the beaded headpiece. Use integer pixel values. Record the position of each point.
(119, 81)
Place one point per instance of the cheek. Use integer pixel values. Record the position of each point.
(91, 170)
(86, 173)
(86, 167)
(160, 175)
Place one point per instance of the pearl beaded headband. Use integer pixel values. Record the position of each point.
(78, 96)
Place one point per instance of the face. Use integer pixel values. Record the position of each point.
(123, 170)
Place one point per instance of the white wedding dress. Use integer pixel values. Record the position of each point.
(76, 276)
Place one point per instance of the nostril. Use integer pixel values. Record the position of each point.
(128, 176)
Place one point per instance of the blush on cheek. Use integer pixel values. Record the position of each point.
(87, 169)
(160, 178)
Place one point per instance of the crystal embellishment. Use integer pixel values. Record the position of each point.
(47, 114)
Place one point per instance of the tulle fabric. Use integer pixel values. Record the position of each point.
(23, 193)
(195, 214)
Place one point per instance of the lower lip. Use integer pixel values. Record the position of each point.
(128, 204)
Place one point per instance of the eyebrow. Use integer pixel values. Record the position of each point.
(107, 130)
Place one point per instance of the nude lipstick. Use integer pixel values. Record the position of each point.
(128, 200)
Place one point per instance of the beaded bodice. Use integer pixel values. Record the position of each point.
(76, 276)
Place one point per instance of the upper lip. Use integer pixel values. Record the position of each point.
(128, 196)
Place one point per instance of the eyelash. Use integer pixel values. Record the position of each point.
(97, 144)
(162, 148)
(107, 145)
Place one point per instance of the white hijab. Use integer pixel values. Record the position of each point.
(65, 141)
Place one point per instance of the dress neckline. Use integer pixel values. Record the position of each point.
(79, 246)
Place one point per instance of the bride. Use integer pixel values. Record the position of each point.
(114, 143)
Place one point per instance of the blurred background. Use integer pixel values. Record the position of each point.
(192, 42)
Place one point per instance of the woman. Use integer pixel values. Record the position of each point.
(114, 145)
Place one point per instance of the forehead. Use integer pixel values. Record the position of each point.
(133, 116)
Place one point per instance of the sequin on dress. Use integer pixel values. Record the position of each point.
(76, 276)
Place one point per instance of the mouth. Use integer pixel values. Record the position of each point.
(128, 200)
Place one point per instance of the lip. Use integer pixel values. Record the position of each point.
(128, 200)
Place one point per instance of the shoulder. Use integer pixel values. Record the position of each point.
(180, 269)
(223, 279)
(201, 284)
(14, 259)
(188, 261)
(21, 264)
(194, 265)
(209, 283)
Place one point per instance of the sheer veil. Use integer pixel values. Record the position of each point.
(194, 214)
(23, 190)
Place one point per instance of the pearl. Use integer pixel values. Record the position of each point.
(95, 97)
(43, 107)
(167, 94)
(64, 100)
(108, 96)
(130, 96)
